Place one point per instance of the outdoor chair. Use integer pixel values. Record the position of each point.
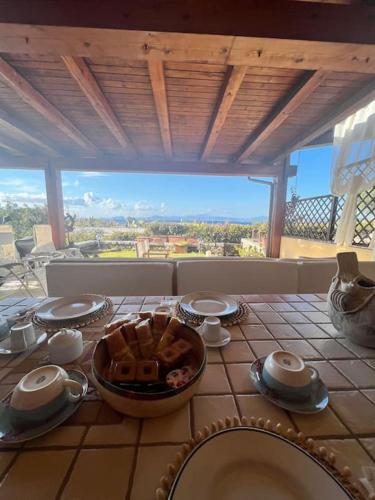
(145, 250)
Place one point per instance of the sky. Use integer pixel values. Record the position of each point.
(140, 195)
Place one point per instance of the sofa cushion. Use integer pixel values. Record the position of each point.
(237, 276)
(110, 278)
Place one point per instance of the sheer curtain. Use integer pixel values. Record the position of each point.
(353, 169)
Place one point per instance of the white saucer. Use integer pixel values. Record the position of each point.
(5, 347)
(225, 339)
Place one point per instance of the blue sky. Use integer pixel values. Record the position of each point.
(107, 194)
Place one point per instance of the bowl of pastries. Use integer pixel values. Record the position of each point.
(148, 364)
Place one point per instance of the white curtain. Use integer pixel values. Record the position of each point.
(353, 169)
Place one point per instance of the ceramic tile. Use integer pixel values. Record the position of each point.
(320, 424)
(235, 332)
(310, 297)
(256, 405)
(124, 433)
(128, 308)
(70, 435)
(330, 329)
(310, 331)
(153, 299)
(134, 300)
(252, 298)
(330, 348)
(317, 317)
(86, 413)
(151, 464)
(288, 297)
(358, 350)
(256, 332)
(322, 306)
(369, 444)
(36, 475)
(370, 394)
(108, 415)
(281, 307)
(149, 307)
(239, 376)
(303, 306)
(323, 296)
(250, 319)
(264, 347)
(116, 465)
(5, 458)
(360, 374)
(173, 428)
(236, 352)
(300, 348)
(208, 409)
(283, 332)
(214, 381)
(355, 410)
(116, 300)
(332, 378)
(348, 452)
(214, 356)
(293, 317)
(260, 307)
(271, 317)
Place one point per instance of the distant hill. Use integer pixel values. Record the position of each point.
(210, 219)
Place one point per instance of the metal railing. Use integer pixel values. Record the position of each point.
(317, 218)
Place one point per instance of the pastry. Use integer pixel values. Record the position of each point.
(159, 324)
(145, 315)
(130, 335)
(111, 327)
(168, 336)
(182, 346)
(124, 371)
(145, 338)
(180, 376)
(147, 371)
(118, 349)
(169, 356)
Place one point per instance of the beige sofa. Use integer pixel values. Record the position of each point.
(178, 277)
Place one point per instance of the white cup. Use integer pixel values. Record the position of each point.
(22, 335)
(65, 346)
(211, 329)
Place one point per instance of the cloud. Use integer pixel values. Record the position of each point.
(93, 174)
(142, 206)
(23, 198)
(12, 182)
(76, 183)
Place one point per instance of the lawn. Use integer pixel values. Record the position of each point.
(131, 254)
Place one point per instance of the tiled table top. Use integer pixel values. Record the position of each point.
(99, 454)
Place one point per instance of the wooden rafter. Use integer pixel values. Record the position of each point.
(36, 100)
(181, 47)
(11, 149)
(283, 110)
(15, 130)
(341, 111)
(228, 95)
(159, 91)
(81, 73)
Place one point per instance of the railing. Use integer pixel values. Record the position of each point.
(317, 218)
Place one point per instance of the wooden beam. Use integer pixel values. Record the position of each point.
(278, 211)
(159, 91)
(295, 20)
(216, 49)
(55, 205)
(282, 111)
(11, 149)
(347, 107)
(37, 101)
(11, 127)
(82, 75)
(229, 92)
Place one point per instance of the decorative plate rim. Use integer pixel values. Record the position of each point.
(75, 316)
(232, 303)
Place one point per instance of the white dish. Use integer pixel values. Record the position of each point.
(5, 347)
(70, 307)
(209, 304)
(244, 462)
(224, 340)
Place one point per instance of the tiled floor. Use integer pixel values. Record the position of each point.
(99, 453)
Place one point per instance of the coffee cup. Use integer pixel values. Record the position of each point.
(210, 329)
(65, 346)
(287, 375)
(22, 335)
(41, 394)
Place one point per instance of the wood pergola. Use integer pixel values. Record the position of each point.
(194, 87)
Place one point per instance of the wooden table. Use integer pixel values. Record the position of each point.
(99, 454)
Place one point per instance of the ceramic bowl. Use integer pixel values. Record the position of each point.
(287, 375)
(149, 400)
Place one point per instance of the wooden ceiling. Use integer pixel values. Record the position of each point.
(81, 96)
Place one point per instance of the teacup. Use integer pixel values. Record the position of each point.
(41, 394)
(287, 375)
(210, 329)
(65, 346)
(22, 335)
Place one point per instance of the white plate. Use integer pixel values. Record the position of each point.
(209, 304)
(70, 307)
(244, 463)
(5, 347)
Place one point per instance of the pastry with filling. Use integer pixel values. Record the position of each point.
(130, 336)
(147, 371)
(159, 324)
(145, 315)
(169, 335)
(118, 349)
(182, 346)
(124, 371)
(145, 339)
